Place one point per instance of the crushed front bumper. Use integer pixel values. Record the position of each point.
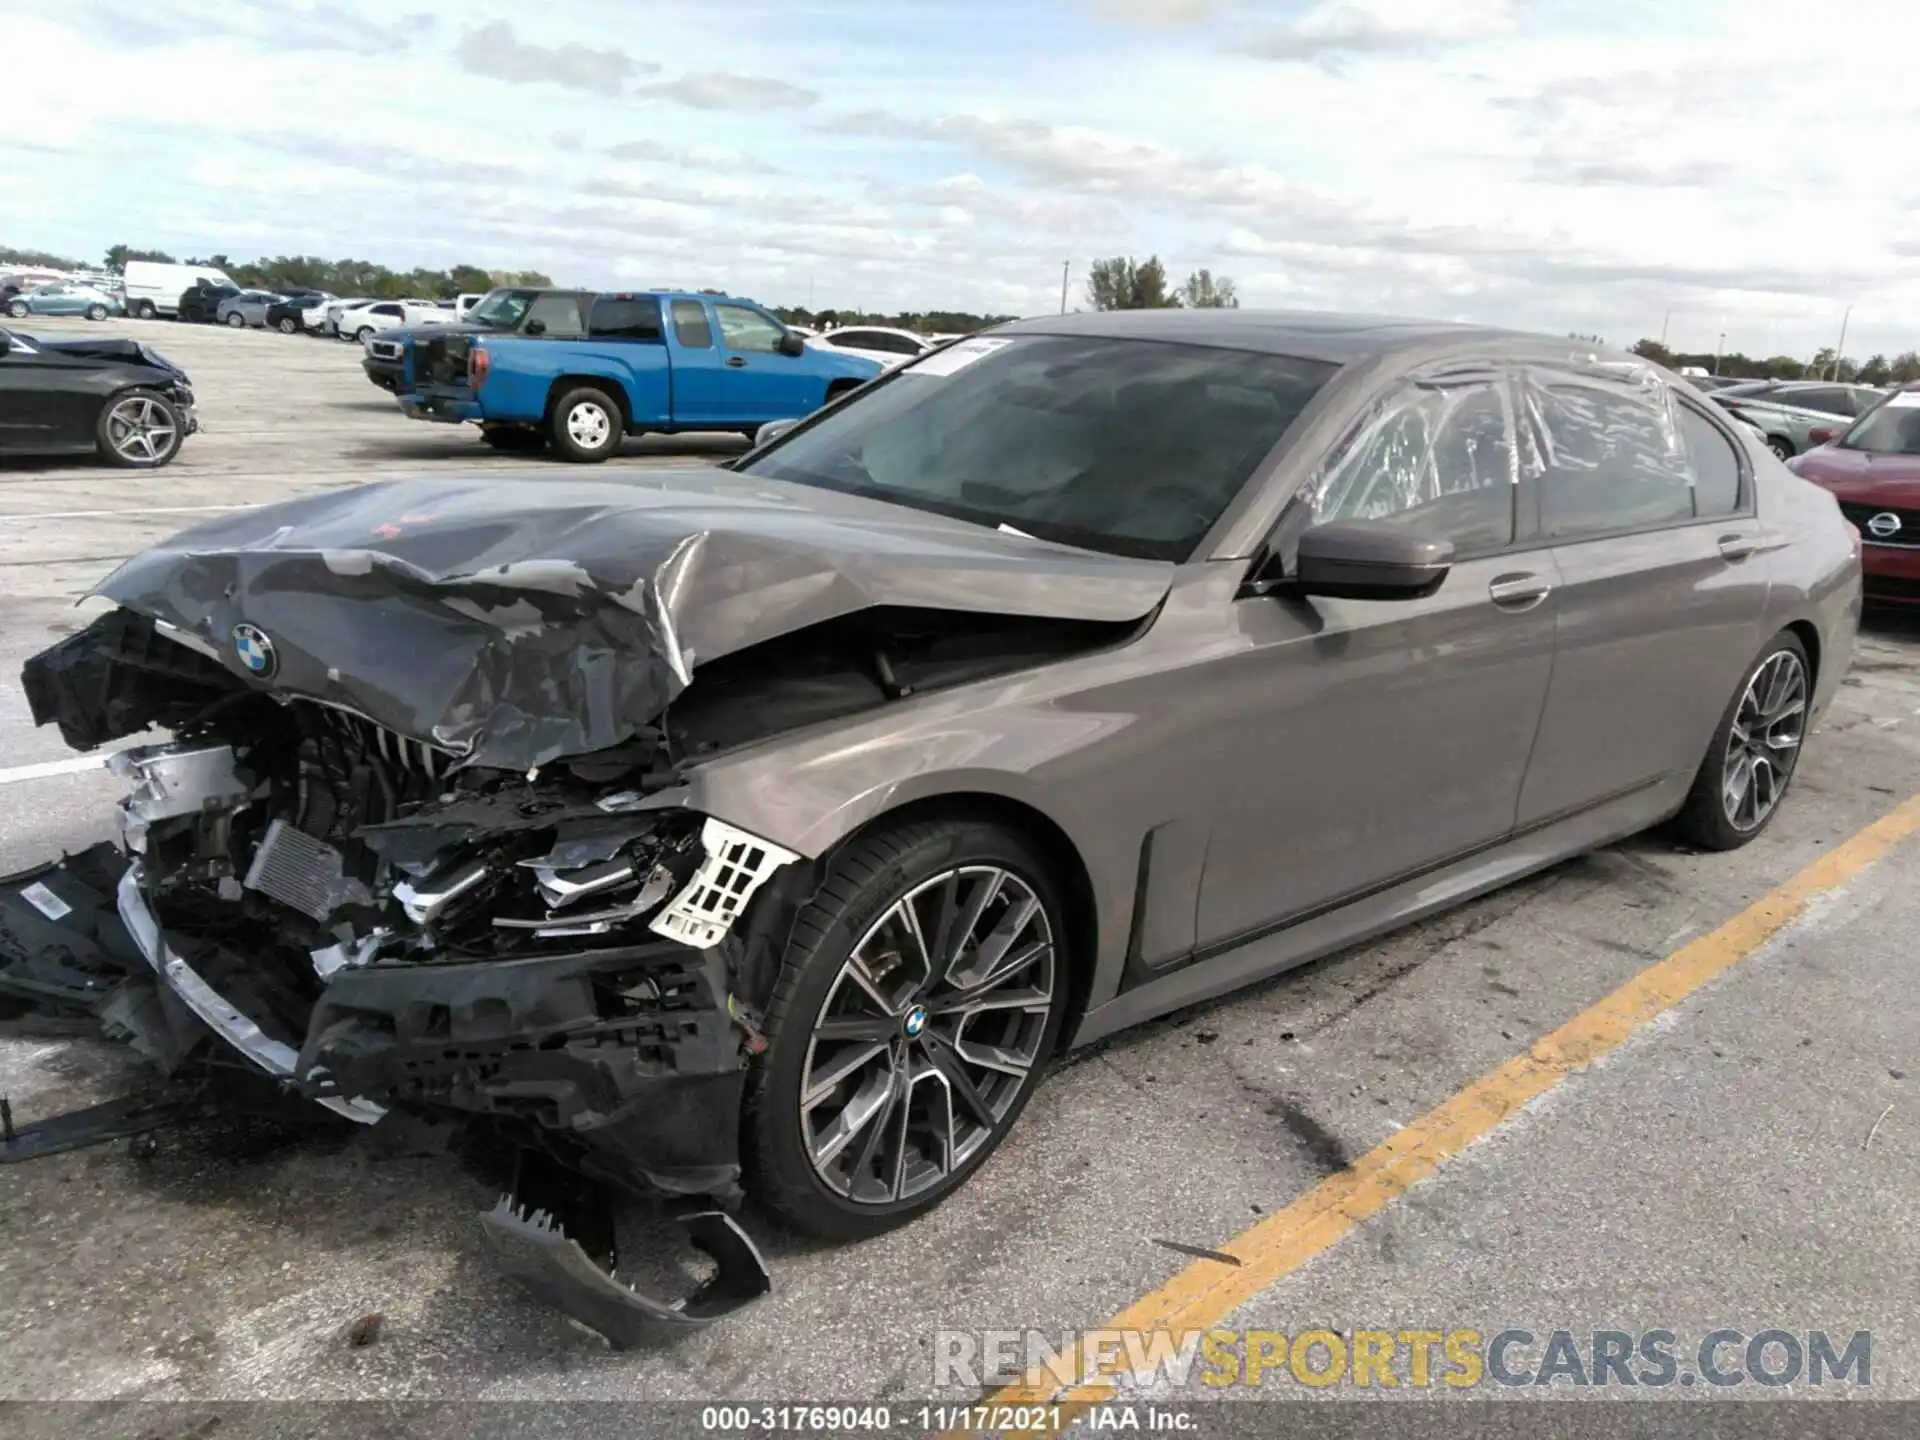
(617, 1069)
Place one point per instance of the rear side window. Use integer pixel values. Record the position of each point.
(1829, 399)
(1611, 456)
(690, 325)
(625, 317)
(1716, 468)
(1436, 458)
(559, 316)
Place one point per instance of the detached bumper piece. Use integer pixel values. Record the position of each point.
(555, 1235)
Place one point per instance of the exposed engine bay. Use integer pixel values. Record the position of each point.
(305, 902)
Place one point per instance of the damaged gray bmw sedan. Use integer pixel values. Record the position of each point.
(763, 829)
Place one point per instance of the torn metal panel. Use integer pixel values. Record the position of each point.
(516, 627)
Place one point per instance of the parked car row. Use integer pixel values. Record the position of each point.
(1788, 411)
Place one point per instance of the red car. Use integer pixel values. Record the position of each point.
(1873, 469)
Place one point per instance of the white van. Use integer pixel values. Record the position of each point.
(154, 289)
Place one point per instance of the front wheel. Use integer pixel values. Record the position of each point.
(585, 425)
(237, 320)
(920, 997)
(145, 311)
(96, 312)
(18, 309)
(1780, 446)
(1750, 761)
(288, 325)
(139, 429)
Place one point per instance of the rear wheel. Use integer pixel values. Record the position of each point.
(139, 429)
(1751, 759)
(585, 425)
(363, 334)
(145, 311)
(18, 309)
(1780, 446)
(237, 320)
(288, 325)
(512, 438)
(96, 312)
(922, 992)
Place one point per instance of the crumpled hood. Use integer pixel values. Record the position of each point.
(520, 621)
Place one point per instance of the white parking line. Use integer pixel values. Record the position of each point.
(155, 510)
(51, 768)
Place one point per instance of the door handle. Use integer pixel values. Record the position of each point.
(1738, 547)
(1518, 592)
(736, 362)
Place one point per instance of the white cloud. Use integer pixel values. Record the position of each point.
(1554, 166)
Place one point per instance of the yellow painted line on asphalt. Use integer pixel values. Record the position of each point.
(1206, 1292)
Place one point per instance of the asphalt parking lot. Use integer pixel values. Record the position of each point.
(1744, 1158)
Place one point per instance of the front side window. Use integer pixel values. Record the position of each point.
(690, 325)
(1611, 456)
(1131, 447)
(1436, 457)
(558, 315)
(748, 331)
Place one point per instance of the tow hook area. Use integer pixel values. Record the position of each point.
(555, 1234)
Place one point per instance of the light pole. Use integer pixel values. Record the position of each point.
(1065, 267)
(1719, 349)
(1663, 328)
(1840, 349)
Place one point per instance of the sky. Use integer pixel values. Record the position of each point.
(1609, 167)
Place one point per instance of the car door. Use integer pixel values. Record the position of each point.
(764, 384)
(43, 399)
(702, 380)
(1365, 741)
(1647, 501)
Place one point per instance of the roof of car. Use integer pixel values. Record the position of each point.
(1308, 335)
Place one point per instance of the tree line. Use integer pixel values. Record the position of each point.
(1123, 283)
(341, 277)
(1825, 365)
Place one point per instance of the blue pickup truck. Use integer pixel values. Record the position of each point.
(577, 371)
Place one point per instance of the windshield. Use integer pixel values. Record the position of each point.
(1890, 428)
(1128, 446)
(501, 309)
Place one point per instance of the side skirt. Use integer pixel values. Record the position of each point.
(1264, 955)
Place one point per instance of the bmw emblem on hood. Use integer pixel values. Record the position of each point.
(255, 650)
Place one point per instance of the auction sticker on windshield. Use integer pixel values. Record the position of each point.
(956, 357)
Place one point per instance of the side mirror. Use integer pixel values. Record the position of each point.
(1821, 434)
(772, 431)
(792, 344)
(536, 327)
(1366, 560)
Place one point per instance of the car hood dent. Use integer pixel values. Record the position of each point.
(517, 624)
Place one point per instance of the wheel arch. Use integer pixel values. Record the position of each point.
(612, 384)
(1066, 865)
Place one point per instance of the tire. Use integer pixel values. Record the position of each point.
(236, 320)
(145, 311)
(512, 438)
(96, 312)
(1781, 446)
(363, 333)
(147, 410)
(574, 431)
(1710, 819)
(18, 309)
(288, 325)
(859, 888)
